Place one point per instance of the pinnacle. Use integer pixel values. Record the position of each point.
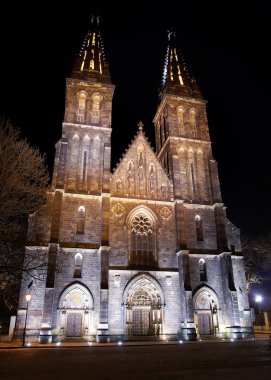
(140, 125)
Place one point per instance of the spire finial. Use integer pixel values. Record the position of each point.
(95, 20)
(171, 34)
(140, 125)
(175, 76)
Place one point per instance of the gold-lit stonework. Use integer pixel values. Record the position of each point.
(118, 210)
(146, 251)
(165, 212)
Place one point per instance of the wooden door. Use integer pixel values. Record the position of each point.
(204, 323)
(74, 324)
(141, 321)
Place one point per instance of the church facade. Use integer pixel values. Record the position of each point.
(146, 251)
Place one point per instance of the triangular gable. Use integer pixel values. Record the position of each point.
(140, 174)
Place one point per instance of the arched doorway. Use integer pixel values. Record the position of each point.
(143, 308)
(206, 312)
(75, 317)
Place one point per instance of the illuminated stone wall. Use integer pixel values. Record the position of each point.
(147, 249)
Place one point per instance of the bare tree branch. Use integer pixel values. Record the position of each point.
(257, 256)
(24, 182)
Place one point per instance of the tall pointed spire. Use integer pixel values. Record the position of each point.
(176, 78)
(91, 63)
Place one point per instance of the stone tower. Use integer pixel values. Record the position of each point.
(184, 148)
(147, 250)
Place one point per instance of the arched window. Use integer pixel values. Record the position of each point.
(81, 220)
(192, 121)
(142, 246)
(96, 100)
(81, 97)
(199, 229)
(180, 120)
(162, 130)
(202, 270)
(165, 128)
(78, 265)
(85, 150)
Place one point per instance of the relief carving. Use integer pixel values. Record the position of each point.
(163, 190)
(119, 186)
(165, 213)
(118, 210)
(141, 298)
(140, 161)
(117, 280)
(130, 176)
(141, 173)
(152, 178)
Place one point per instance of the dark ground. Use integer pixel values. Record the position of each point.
(198, 360)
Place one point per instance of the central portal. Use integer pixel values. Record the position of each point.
(143, 309)
(141, 321)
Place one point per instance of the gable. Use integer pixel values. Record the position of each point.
(140, 174)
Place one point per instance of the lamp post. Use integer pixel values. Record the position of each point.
(28, 298)
(259, 299)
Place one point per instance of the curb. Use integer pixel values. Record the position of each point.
(126, 344)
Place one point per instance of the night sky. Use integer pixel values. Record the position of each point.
(226, 49)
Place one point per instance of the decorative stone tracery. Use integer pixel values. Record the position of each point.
(118, 210)
(165, 212)
(142, 241)
(144, 308)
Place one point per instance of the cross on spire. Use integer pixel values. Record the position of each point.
(140, 125)
(175, 74)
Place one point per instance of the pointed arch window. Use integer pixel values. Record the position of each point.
(142, 245)
(192, 122)
(81, 111)
(180, 120)
(91, 62)
(193, 185)
(81, 220)
(96, 102)
(199, 228)
(84, 166)
(162, 130)
(202, 270)
(165, 128)
(78, 259)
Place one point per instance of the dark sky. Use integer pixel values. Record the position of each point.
(226, 49)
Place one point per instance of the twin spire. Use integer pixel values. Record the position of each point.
(176, 78)
(175, 71)
(91, 64)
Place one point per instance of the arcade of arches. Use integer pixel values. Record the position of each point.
(143, 310)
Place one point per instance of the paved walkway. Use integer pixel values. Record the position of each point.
(5, 345)
(205, 360)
